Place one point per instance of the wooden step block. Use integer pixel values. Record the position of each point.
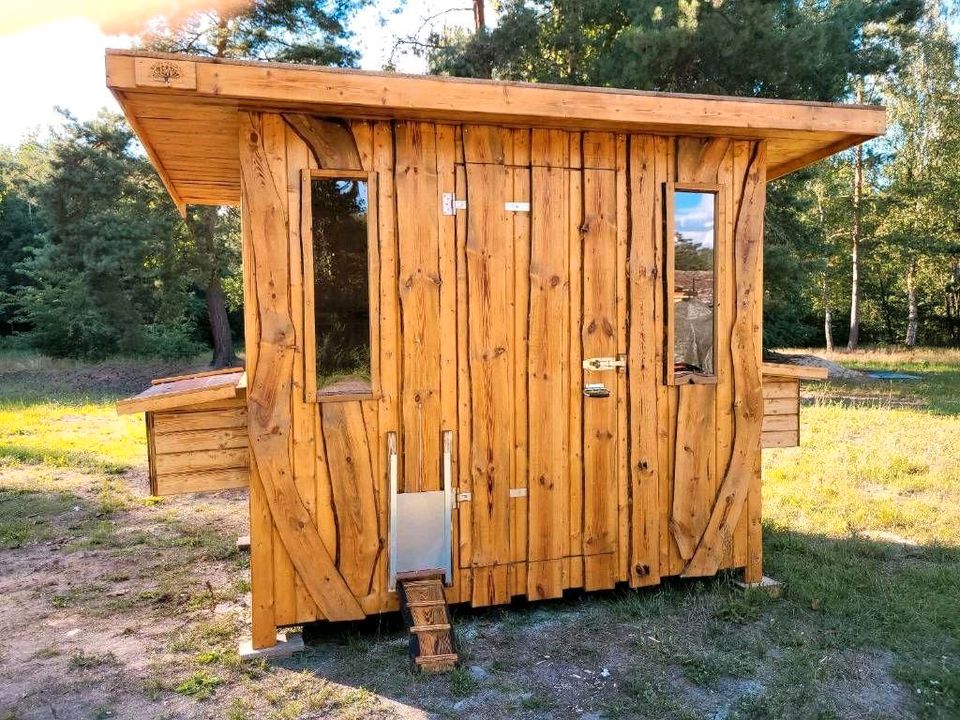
(424, 609)
(429, 628)
(426, 603)
(438, 663)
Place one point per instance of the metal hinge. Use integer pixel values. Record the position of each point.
(451, 204)
(517, 206)
(464, 497)
(605, 363)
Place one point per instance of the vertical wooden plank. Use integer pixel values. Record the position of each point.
(388, 412)
(465, 403)
(262, 615)
(363, 138)
(599, 150)
(303, 427)
(274, 139)
(417, 196)
(449, 338)
(693, 486)
(520, 314)
(378, 598)
(548, 371)
(354, 496)
(490, 280)
(488, 144)
(742, 475)
(643, 366)
(575, 432)
(754, 568)
(550, 148)
(742, 150)
(599, 339)
(663, 173)
(623, 487)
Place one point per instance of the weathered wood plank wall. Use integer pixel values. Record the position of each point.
(483, 321)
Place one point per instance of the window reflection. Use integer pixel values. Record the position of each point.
(341, 294)
(694, 275)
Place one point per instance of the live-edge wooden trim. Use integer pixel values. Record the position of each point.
(311, 393)
(719, 191)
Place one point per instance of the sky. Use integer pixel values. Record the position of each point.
(693, 216)
(54, 52)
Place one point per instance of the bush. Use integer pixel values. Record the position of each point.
(172, 343)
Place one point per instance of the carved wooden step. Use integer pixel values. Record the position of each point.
(425, 611)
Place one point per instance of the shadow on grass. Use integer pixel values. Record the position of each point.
(843, 599)
(897, 596)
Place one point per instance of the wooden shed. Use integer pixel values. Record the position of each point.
(506, 333)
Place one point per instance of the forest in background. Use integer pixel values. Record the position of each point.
(861, 248)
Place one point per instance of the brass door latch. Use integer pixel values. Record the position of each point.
(605, 363)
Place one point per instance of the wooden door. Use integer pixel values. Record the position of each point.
(487, 300)
(601, 333)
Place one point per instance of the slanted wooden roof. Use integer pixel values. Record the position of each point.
(186, 390)
(184, 110)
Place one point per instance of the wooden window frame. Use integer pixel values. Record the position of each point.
(311, 394)
(719, 191)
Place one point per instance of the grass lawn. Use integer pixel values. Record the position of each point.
(115, 604)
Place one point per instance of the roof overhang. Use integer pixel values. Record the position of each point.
(184, 110)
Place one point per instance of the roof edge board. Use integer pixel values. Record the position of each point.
(526, 103)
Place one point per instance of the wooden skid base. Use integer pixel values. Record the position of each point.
(424, 609)
(287, 646)
(771, 587)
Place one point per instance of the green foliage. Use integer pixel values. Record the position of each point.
(91, 282)
(296, 31)
(94, 260)
(762, 48)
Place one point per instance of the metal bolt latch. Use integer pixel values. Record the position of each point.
(605, 363)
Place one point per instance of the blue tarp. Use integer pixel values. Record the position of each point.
(890, 375)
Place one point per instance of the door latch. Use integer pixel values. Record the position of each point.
(605, 363)
(464, 497)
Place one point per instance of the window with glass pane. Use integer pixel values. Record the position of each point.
(341, 291)
(694, 277)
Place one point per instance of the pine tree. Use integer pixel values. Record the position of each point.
(92, 286)
(300, 31)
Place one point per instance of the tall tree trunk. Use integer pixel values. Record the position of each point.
(223, 355)
(202, 222)
(854, 338)
(912, 313)
(827, 315)
(824, 287)
(479, 15)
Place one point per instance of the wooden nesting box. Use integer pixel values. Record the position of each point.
(509, 331)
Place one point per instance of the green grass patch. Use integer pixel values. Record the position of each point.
(25, 515)
(200, 685)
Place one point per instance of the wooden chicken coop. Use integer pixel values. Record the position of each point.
(505, 337)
